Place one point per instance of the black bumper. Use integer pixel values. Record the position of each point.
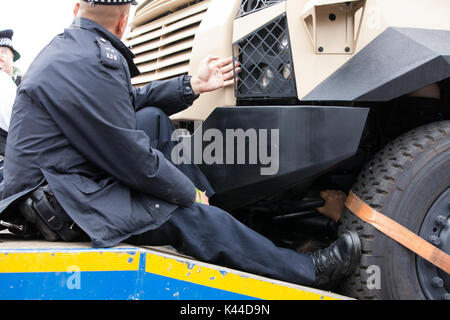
(312, 140)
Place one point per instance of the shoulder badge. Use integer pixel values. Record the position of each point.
(108, 54)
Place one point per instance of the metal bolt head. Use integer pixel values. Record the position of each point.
(435, 240)
(442, 221)
(437, 282)
(320, 49)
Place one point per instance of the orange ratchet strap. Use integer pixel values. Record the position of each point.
(398, 232)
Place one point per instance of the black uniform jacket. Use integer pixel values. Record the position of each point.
(74, 126)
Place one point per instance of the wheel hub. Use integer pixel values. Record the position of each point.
(435, 282)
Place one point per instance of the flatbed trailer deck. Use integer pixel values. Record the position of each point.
(39, 270)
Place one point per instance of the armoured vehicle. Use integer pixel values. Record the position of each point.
(352, 95)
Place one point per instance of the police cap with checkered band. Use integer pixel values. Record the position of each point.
(6, 41)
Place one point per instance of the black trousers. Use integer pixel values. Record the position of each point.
(210, 234)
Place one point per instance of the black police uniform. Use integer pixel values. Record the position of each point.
(75, 126)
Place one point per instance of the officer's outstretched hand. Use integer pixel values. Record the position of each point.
(214, 73)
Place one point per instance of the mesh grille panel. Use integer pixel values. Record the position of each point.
(266, 62)
(250, 6)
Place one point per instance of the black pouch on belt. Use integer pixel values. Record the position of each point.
(46, 214)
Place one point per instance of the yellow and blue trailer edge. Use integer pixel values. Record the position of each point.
(76, 272)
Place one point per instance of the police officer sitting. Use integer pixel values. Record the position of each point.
(99, 147)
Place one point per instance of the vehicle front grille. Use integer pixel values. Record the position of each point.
(162, 37)
(266, 61)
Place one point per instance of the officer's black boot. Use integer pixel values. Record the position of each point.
(337, 261)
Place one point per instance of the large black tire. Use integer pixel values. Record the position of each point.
(402, 181)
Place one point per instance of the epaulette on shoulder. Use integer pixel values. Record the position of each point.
(108, 54)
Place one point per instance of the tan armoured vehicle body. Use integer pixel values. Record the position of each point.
(359, 95)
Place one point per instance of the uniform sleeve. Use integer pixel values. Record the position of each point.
(171, 96)
(92, 107)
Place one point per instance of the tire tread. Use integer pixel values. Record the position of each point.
(375, 186)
